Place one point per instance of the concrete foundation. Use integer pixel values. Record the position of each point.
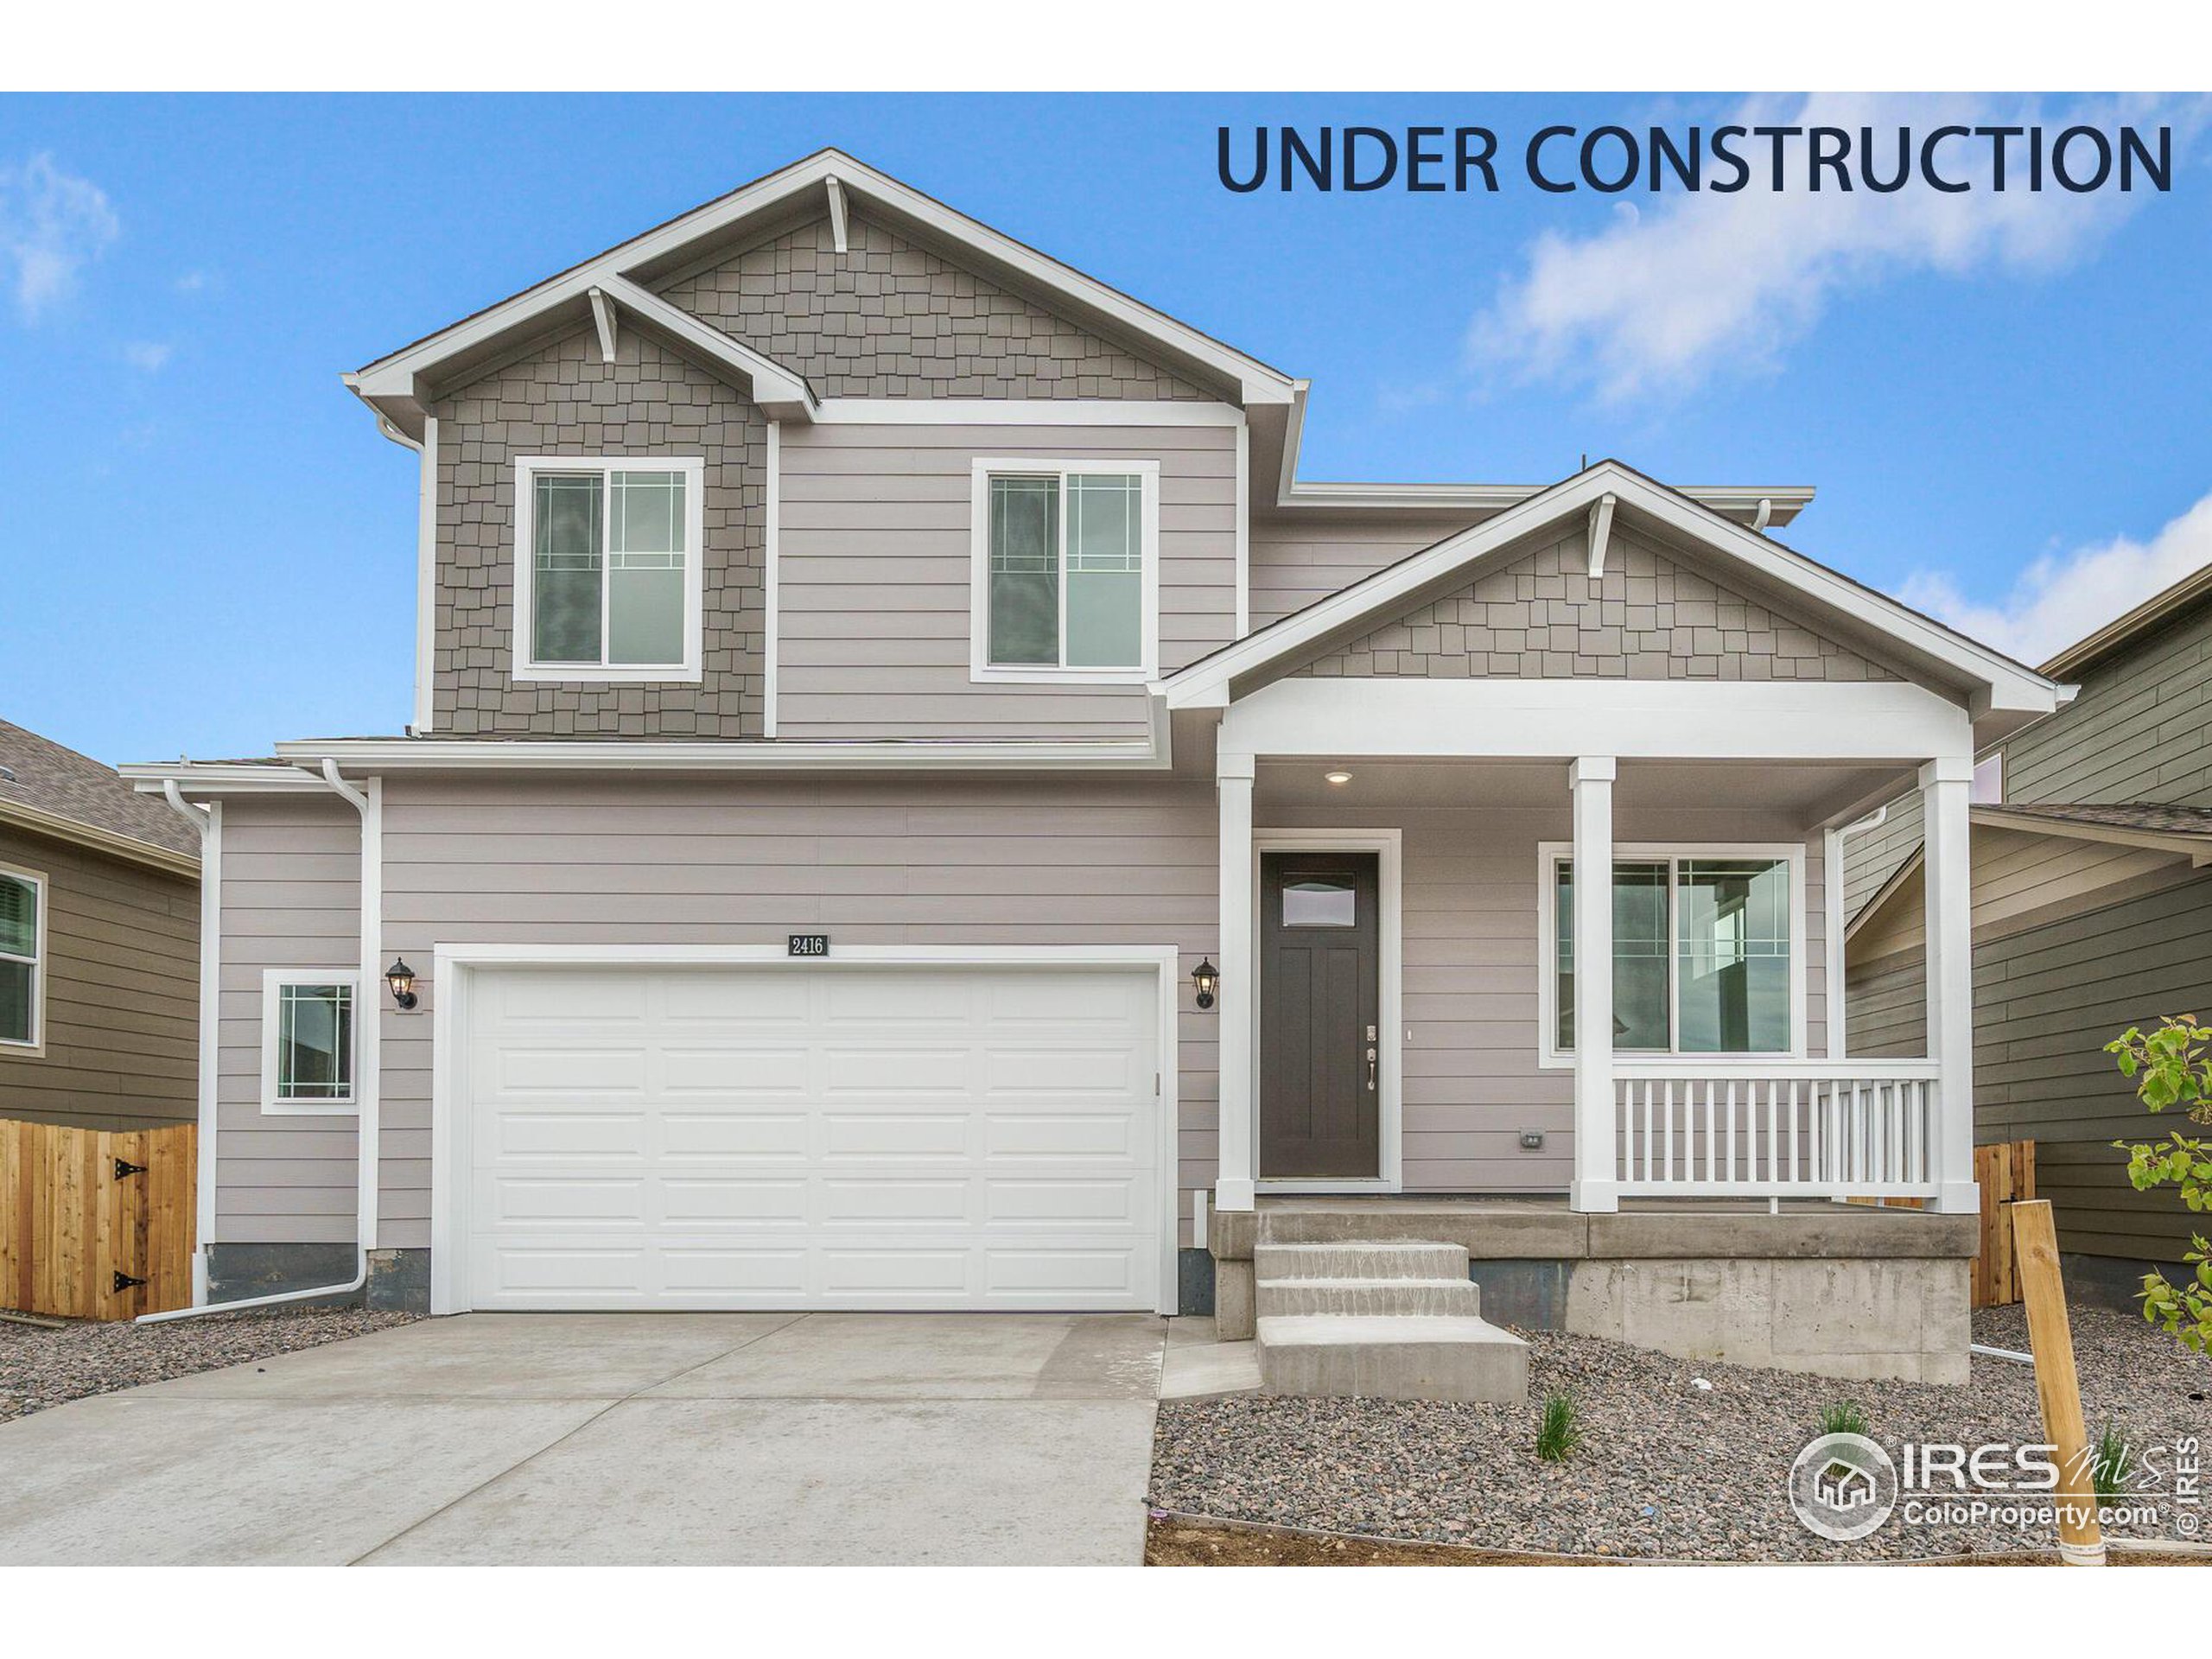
(398, 1280)
(1194, 1283)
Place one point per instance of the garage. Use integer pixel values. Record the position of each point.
(797, 1135)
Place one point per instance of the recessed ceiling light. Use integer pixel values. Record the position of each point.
(1338, 777)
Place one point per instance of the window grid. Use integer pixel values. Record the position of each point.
(1068, 551)
(22, 903)
(639, 523)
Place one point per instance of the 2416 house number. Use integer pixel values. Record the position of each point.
(809, 945)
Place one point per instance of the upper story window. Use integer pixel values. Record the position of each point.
(1707, 954)
(607, 569)
(22, 957)
(1066, 576)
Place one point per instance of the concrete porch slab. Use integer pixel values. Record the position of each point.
(1208, 1371)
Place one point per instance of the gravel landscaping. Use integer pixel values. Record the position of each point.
(1666, 1469)
(40, 1368)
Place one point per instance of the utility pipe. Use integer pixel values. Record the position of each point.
(369, 804)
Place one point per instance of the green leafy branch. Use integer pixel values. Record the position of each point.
(2172, 1067)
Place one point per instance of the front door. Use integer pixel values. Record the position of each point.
(1320, 1003)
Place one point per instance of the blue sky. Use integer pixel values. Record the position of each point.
(210, 548)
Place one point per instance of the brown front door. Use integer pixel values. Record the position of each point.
(1320, 1002)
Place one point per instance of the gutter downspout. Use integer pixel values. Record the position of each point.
(207, 820)
(369, 804)
(1832, 896)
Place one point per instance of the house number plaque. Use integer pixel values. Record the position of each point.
(809, 945)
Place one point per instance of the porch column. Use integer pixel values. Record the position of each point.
(1945, 787)
(1595, 1187)
(1233, 1010)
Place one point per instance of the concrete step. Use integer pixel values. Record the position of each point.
(1369, 1259)
(1372, 1298)
(1421, 1357)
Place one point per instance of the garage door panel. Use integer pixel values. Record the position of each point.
(793, 1137)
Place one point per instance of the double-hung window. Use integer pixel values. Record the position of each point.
(1066, 570)
(1707, 957)
(608, 559)
(307, 1042)
(23, 957)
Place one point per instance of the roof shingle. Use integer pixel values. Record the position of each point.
(41, 774)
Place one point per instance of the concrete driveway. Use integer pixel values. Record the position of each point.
(701, 1438)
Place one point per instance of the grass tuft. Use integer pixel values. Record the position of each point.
(1844, 1417)
(1560, 1431)
(2112, 1466)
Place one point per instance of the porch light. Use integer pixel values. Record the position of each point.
(1207, 978)
(401, 978)
(1339, 777)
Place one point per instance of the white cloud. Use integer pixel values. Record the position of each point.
(1702, 283)
(2064, 597)
(52, 223)
(199, 282)
(149, 356)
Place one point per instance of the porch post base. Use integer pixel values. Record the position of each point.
(1957, 1199)
(1595, 1198)
(1234, 1195)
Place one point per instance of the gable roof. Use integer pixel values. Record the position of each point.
(2124, 630)
(397, 384)
(1996, 686)
(58, 791)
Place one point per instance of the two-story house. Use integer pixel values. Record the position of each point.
(914, 802)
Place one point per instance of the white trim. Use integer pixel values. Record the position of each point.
(42, 889)
(426, 579)
(781, 393)
(602, 318)
(1388, 846)
(981, 670)
(153, 777)
(1873, 720)
(2005, 684)
(837, 231)
(1022, 411)
(527, 671)
(1550, 1057)
(211, 1037)
(770, 551)
(454, 964)
(1243, 527)
(521, 754)
(1601, 532)
(273, 980)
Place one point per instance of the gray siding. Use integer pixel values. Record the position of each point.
(290, 898)
(888, 319)
(2046, 999)
(1298, 561)
(120, 979)
(874, 568)
(563, 400)
(1650, 617)
(1872, 856)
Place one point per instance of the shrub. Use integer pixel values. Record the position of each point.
(1560, 1433)
(2170, 1067)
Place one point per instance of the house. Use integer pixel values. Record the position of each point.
(913, 801)
(99, 944)
(2092, 908)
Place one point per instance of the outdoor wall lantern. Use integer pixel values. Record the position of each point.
(1207, 978)
(401, 978)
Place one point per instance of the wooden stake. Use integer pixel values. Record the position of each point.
(2035, 1244)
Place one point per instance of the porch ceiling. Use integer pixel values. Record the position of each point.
(1809, 791)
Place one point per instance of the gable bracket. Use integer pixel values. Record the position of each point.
(836, 190)
(602, 316)
(1601, 533)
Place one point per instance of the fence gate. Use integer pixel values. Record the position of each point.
(96, 1223)
(2006, 1172)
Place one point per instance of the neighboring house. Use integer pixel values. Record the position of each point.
(912, 802)
(2092, 913)
(99, 944)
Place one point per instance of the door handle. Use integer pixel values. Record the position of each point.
(1370, 1070)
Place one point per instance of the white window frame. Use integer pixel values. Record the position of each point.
(1551, 854)
(526, 668)
(37, 1045)
(273, 980)
(981, 670)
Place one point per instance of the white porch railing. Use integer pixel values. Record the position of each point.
(1777, 1129)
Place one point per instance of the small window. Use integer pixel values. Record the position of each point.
(23, 951)
(1320, 901)
(1703, 954)
(1065, 583)
(308, 1040)
(1989, 786)
(607, 573)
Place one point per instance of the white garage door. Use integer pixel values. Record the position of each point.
(811, 1136)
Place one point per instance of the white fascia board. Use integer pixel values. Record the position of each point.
(2006, 684)
(197, 777)
(1860, 722)
(386, 754)
(395, 375)
(1021, 411)
(781, 394)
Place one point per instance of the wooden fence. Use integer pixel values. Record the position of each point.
(96, 1223)
(2006, 1172)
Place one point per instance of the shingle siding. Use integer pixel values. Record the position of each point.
(564, 400)
(1650, 618)
(887, 319)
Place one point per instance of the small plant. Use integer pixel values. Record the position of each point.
(1844, 1417)
(1561, 1432)
(2112, 1466)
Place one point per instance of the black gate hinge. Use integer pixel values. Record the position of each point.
(123, 1282)
(124, 1166)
